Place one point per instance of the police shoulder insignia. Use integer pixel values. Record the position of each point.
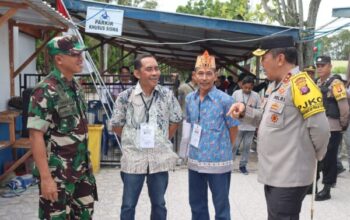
(306, 95)
(338, 89)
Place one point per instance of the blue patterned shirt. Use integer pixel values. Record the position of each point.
(214, 154)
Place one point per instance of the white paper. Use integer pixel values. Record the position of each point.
(196, 135)
(185, 139)
(146, 136)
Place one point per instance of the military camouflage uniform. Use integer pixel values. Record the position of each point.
(57, 108)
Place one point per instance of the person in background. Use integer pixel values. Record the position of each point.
(223, 85)
(232, 85)
(124, 82)
(185, 89)
(347, 132)
(311, 69)
(246, 131)
(337, 111)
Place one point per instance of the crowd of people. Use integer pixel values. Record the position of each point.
(214, 116)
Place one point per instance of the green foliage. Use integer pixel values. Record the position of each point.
(40, 58)
(232, 9)
(150, 4)
(337, 46)
(339, 70)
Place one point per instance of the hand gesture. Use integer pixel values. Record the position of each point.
(237, 110)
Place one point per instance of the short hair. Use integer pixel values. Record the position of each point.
(222, 77)
(138, 63)
(241, 76)
(124, 67)
(290, 53)
(230, 78)
(248, 79)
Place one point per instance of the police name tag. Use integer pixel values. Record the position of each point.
(196, 135)
(146, 136)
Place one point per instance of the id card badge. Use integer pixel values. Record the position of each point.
(146, 136)
(196, 135)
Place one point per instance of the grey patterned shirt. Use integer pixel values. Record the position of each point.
(130, 112)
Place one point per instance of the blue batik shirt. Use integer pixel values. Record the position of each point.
(214, 154)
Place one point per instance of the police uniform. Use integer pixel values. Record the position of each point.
(337, 111)
(293, 133)
(57, 108)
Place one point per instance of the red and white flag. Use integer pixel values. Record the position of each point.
(60, 8)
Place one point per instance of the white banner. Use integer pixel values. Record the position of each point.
(104, 21)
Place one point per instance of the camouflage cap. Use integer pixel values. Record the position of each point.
(68, 44)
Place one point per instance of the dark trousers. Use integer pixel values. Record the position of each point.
(284, 203)
(157, 184)
(219, 185)
(328, 166)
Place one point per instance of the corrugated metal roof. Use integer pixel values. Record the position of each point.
(38, 13)
(238, 38)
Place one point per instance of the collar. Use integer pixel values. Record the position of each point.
(286, 79)
(319, 83)
(62, 79)
(138, 89)
(211, 93)
(295, 70)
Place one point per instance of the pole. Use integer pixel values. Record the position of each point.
(312, 210)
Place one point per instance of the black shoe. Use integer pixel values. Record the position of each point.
(324, 194)
(340, 170)
(243, 170)
(238, 153)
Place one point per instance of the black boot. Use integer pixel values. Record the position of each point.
(325, 194)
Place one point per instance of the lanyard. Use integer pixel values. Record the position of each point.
(147, 107)
(190, 86)
(247, 98)
(199, 110)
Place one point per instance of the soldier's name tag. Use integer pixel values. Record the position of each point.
(196, 135)
(66, 108)
(147, 136)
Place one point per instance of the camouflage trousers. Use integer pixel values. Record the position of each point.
(75, 201)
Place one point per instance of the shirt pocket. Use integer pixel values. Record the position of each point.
(275, 115)
(68, 118)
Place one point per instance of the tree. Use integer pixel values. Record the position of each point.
(232, 9)
(150, 4)
(290, 13)
(336, 46)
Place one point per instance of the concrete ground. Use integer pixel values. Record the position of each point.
(246, 198)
